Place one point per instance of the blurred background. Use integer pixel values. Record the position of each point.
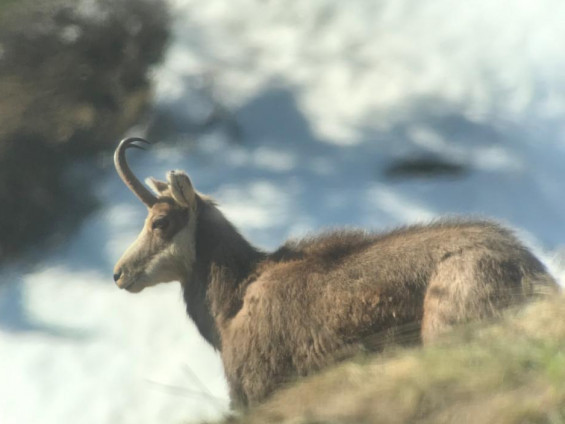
(293, 115)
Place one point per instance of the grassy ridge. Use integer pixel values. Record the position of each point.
(511, 372)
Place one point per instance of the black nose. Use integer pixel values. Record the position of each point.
(117, 275)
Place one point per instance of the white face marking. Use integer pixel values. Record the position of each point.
(174, 262)
(164, 251)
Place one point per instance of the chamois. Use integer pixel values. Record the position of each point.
(278, 316)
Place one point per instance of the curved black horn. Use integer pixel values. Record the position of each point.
(125, 172)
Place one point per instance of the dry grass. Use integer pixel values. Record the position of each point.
(511, 372)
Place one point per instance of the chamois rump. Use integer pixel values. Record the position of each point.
(282, 315)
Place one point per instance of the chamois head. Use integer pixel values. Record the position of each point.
(164, 250)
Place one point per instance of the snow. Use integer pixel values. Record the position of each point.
(324, 96)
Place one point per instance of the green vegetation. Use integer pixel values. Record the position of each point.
(72, 83)
(511, 372)
(5, 3)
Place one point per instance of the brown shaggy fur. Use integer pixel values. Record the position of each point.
(279, 316)
(276, 317)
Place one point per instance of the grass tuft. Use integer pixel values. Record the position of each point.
(506, 373)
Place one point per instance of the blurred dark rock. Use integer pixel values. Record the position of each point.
(425, 167)
(74, 76)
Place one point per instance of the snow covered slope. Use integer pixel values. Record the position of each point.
(325, 96)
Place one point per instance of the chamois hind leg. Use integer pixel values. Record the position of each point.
(471, 285)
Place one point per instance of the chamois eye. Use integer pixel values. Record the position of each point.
(160, 223)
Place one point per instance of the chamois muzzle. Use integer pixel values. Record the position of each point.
(117, 275)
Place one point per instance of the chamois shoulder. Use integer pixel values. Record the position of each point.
(327, 245)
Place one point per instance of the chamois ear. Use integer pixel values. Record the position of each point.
(158, 187)
(181, 189)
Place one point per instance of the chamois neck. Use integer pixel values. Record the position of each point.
(224, 263)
